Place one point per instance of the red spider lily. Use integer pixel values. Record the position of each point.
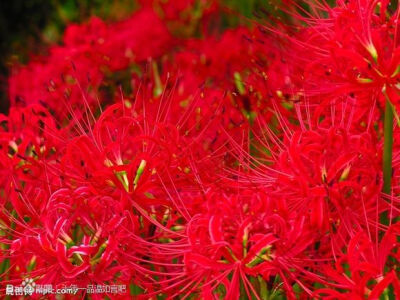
(233, 70)
(227, 249)
(90, 52)
(30, 145)
(75, 233)
(354, 49)
(257, 175)
(77, 241)
(361, 272)
(340, 175)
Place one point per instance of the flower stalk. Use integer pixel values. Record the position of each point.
(387, 146)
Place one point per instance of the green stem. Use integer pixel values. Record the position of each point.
(387, 147)
(5, 264)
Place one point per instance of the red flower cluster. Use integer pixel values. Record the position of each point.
(90, 52)
(244, 163)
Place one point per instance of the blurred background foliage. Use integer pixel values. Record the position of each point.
(28, 27)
